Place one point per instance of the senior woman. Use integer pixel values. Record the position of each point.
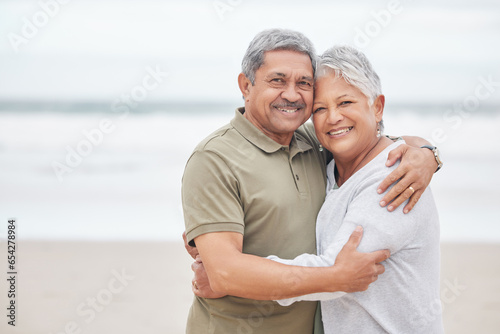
(347, 115)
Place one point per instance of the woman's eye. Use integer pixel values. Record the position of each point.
(318, 110)
(344, 103)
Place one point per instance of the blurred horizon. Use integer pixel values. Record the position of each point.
(104, 106)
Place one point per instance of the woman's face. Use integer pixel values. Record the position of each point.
(345, 123)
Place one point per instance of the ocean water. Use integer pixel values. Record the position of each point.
(125, 185)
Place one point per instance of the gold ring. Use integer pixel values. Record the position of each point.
(411, 188)
(195, 285)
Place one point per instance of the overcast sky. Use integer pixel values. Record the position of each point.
(424, 51)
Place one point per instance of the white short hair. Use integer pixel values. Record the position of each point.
(353, 66)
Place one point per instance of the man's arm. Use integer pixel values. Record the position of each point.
(415, 170)
(231, 272)
(200, 283)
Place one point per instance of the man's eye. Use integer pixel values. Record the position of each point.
(306, 85)
(278, 80)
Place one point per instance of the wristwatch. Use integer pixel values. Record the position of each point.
(435, 150)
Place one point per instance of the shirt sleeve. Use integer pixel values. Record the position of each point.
(381, 230)
(210, 196)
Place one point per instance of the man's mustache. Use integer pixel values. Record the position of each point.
(298, 105)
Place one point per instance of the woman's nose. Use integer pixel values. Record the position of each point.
(334, 116)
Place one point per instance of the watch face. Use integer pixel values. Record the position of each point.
(438, 157)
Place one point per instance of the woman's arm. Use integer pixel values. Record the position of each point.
(382, 230)
(232, 272)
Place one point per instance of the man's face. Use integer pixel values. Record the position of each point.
(281, 98)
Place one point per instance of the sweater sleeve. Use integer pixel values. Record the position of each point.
(309, 260)
(382, 229)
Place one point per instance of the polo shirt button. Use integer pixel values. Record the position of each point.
(297, 176)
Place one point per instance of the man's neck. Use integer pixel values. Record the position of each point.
(283, 139)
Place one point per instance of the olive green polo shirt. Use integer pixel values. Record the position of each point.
(240, 180)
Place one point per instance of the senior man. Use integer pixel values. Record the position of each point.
(254, 187)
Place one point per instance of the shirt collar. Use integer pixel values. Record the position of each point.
(251, 133)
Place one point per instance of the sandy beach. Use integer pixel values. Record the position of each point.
(144, 287)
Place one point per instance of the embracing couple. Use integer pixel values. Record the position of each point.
(281, 214)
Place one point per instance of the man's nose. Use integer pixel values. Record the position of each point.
(290, 93)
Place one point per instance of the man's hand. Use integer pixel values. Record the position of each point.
(410, 179)
(356, 271)
(200, 283)
(193, 251)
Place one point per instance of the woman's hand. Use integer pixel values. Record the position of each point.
(193, 251)
(410, 178)
(356, 270)
(200, 283)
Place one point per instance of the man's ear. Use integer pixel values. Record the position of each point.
(245, 85)
(378, 106)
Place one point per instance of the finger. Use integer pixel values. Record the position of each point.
(403, 197)
(193, 251)
(379, 269)
(395, 155)
(355, 238)
(413, 200)
(392, 178)
(407, 179)
(196, 291)
(380, 255)
(195, 266)
(194, 287)
(186, 244)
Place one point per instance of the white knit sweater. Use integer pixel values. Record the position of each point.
(405, 299)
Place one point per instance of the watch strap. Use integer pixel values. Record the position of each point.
(434, 150)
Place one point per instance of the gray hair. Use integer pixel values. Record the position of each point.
(271, 40)
(353, 66)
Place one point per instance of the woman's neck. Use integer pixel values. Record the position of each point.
(347, 167)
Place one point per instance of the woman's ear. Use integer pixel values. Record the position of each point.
(245, 85)
(378, 107)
